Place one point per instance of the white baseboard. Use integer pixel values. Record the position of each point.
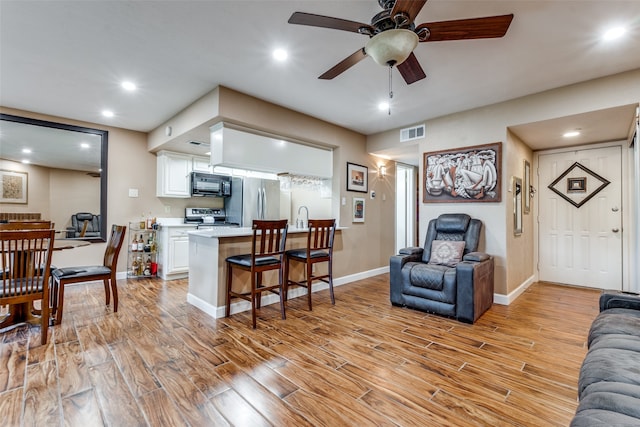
(511, 297)
(237, 307)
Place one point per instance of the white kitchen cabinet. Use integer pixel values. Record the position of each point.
(202, 164)
(173, 174)
(173, 251)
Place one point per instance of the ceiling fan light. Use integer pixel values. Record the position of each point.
(391, 47)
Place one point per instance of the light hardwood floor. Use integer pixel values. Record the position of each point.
(161, 362)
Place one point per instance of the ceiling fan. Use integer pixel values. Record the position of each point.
(393, 35)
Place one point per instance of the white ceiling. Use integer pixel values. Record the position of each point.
(67, 58)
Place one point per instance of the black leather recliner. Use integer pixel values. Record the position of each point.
(433, 282)
(81, 220)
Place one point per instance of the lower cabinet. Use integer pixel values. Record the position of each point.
(173, 251)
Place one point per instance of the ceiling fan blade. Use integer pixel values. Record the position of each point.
(411, 70)
(410, 7)
(462, 29)
(301, 18)
(344, 65)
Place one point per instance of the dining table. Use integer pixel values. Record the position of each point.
(24, 312)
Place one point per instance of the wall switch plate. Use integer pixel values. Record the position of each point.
(344, 201)
(133, 192)
(373, 194)
(167, 209)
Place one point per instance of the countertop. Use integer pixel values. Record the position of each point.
(240, 231)
(173, 222)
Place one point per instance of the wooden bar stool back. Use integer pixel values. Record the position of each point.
(25, 258)
(267, 253)
(319, 249)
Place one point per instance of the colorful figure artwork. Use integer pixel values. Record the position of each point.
(469, 174)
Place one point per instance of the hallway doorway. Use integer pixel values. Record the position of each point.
(406, 200)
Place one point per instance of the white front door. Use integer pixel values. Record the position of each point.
(581, 245)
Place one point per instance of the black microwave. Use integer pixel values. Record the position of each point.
(206, 184)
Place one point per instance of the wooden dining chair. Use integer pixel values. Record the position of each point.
(26, 225)
(25, 258)
(319, 249)
(105, 272)
(267, 252)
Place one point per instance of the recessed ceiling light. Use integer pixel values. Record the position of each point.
(25, 161)
(280, 55)
(571, 134)
(614, 33)
(383, 106)
(128, 86)
(107, 113)
(26, 150)
(84, 145)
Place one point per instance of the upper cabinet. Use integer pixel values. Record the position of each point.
(174, 170)
(202, 164)
(173, 174)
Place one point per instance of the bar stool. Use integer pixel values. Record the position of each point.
(267, 253)
(319, 249)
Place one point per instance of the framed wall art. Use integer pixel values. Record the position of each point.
(517, 206)
(358, 209)
(357, 178)
(468, 174)
(13, 187)
(526, 198)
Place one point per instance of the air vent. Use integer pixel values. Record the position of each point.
(199, 143)
(409, 134)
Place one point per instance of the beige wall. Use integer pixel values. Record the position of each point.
(490, 124)
(37, 189)
(367, 245)
(130, 165)
(55, 194)
(79, 191)
(519, 268)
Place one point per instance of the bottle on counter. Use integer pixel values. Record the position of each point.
(134, 244)
(140, 266)
(147, 266)
(134, 267)
(140, 244)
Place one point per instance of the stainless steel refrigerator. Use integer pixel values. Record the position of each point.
(253, 198)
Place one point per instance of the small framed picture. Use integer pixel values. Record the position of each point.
(13, 187)
(358, 209)
(577, 185)
(357, 178)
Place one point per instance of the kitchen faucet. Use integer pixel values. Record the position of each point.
(302, 221)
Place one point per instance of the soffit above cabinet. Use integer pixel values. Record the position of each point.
(238, 149)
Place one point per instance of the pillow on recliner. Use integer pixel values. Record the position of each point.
(446, 252)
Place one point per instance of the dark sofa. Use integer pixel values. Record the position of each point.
(609, 383)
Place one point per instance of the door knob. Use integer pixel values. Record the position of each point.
(614, 209)
(615, 230)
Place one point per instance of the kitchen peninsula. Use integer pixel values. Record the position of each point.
(208, 250)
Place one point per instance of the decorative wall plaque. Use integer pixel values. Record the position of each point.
(578, 188)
